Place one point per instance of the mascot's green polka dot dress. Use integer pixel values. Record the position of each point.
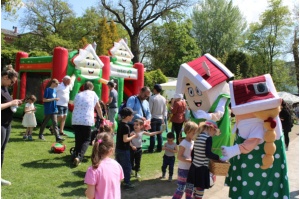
(248, 181)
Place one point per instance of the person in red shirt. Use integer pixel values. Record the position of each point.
(178, 111)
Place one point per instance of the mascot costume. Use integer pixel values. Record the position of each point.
(203, 82)
(258, 162)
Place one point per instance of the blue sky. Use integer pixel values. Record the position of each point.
(251, 10)
(78, 6)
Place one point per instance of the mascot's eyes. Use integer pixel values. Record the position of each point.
(191, 91)
(88, 63)
(198, 91)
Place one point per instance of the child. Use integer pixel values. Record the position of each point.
(123, 144)
(170, 149)
(184, 157)
(29, 120)
(136, 144)
(98, 121)
(198, 175)
(104, 128)
(104, 176)
(50, 110)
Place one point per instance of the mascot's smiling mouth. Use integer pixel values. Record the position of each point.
(91, 71)
(124, 60)
(198, 104)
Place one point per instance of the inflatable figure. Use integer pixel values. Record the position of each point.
(203, 82)
(81, 65)
(258, 162)
(87, 68)
(122, 68)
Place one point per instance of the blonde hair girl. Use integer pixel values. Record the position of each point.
(199, 177)
(184, 157)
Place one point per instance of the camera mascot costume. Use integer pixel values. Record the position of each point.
(258, 161)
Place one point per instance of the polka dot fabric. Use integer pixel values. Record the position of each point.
(247, 180)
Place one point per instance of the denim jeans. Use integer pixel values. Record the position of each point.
(5, 133)
(155, 126)
(168, 161)
(166, 123)
(135, 158)
(177, 128)
(123, 158)
(53, 118)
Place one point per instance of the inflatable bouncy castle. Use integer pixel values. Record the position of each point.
(81, 65)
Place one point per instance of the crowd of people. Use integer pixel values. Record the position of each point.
(142, 114)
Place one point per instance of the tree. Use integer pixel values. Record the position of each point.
(173, 45)
(283, 78)
(266, 38)
(136, 15)
(217, 26)
(239, 62)
(102, 37)
(10, 7)
(154, 77)
(49, 20)
(295, 46)
(105, 36)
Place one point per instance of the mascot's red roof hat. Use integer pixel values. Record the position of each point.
(253, 94)
(206, 69)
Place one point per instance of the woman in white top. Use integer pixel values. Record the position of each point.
(83, 119)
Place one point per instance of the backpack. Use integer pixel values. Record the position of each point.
(124, 104)
(58, 148)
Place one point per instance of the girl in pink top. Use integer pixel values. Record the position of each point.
(104, 177)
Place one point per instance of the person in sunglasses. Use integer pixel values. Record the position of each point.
(8, 106)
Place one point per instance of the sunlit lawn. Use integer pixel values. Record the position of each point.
(35, 172)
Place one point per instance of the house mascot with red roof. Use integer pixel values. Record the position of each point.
(203, 83)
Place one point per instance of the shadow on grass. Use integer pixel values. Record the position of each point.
(46, 163)
(150, 188)
(52, 163)
(75, 193)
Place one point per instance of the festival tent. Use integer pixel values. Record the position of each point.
(288, 97)
(169, 89)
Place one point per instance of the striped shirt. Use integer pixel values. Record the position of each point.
(202, 150)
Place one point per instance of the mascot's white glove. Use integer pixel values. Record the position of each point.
(229, 152)
(199, 114)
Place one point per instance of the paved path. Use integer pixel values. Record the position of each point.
(219, 191)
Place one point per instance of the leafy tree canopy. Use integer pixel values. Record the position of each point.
(218, 26)
(173, 45)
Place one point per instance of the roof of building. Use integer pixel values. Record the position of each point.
(9, 32)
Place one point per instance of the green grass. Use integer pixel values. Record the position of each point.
(36, 173)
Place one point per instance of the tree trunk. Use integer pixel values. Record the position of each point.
(296, 57)
(135, 47)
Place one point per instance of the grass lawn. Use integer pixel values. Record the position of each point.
(36, 173)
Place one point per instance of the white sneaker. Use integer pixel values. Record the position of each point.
(5, 182)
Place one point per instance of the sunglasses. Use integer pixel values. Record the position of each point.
(12, 82)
